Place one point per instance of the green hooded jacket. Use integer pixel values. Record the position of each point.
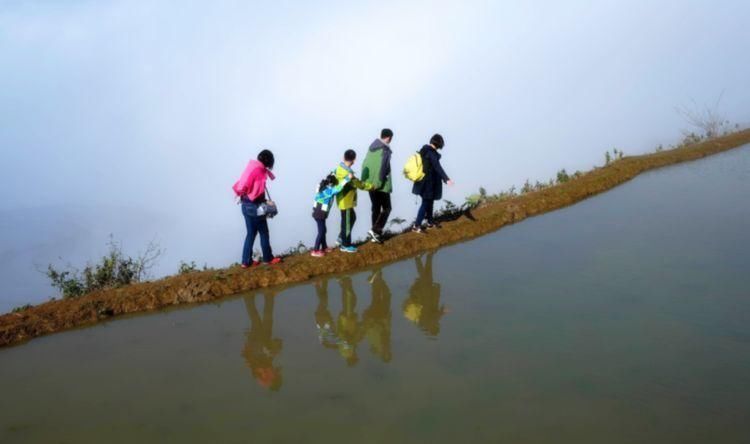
(376, 168)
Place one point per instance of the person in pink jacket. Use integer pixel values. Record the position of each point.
(251, 189)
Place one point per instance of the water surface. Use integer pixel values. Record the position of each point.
(624, 318)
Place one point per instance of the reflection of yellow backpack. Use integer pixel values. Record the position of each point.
(413, 170)
(413, 312)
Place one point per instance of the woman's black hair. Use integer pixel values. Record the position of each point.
(329, 180)
(266, 158)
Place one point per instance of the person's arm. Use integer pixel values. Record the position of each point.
(439, 169)
(362, 185)
(385, 167)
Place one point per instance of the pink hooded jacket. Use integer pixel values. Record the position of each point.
(252, 183)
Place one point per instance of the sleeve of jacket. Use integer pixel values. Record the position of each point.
(439, 168)
(356, 183)
(385, 166)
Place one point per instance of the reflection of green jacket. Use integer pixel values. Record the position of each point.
(376, 168)
(347, 198)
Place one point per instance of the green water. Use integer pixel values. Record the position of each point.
(623, 319)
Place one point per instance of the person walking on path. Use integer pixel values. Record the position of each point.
(430, 188)
(251, 191)
(328, 188)
(347, 200)
(376, 171)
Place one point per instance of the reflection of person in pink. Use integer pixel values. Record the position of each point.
(377, 317)
(422, 307)
(260, 346)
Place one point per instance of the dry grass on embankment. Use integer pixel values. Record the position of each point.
(209, 285)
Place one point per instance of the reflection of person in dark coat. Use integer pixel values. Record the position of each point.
(323, 318)
(260, 346)
(377, 317)
(423, 304)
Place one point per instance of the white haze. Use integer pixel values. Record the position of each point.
(134, 118)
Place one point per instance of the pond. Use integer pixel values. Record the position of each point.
(624, 318)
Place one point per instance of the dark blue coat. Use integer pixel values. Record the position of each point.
(431, 187)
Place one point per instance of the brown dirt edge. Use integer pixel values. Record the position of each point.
(203, 286)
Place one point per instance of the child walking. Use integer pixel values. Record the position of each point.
(347, 200)
(327, 189)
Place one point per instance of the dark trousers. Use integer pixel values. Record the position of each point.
(320, 240)
(348, 217)
(381, 209)
(255, 225)
(425, 211)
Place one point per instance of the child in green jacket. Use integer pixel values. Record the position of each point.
(347, 200)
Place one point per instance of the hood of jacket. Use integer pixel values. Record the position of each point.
(378, 144)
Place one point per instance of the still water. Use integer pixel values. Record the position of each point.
(625, 318)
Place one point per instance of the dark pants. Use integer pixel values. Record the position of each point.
(348, 217)
(381, 209)
(320, 241)
(425, 211)
(255, 225)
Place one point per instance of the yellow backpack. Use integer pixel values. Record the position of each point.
(413, 170)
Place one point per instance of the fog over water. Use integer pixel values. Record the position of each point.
(134, 118)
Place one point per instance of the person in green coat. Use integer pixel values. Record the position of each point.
(376, 171)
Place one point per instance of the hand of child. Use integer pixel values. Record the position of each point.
(450, 182)
(351, 176)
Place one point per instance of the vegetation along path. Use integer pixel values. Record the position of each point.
(488, 215)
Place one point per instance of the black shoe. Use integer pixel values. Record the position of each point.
(416, 229)
(431, 225)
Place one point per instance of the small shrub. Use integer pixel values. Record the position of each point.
(562, 176)
(188, 267)
(607, 158)
(21, 308)
(396, 221)
(527, 188)
(114, 270)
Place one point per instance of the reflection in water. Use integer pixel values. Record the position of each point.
(260, 346)
(349, 329)
(377, 317)
(422, 307)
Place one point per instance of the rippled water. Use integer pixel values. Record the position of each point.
(625, 318)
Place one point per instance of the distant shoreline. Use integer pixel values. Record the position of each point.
(209, 285)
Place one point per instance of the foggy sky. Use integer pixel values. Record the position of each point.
(156, 107)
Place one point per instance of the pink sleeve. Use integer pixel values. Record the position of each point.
(256, 186)
(240, 187)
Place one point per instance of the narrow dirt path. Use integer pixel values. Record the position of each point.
(209, 285)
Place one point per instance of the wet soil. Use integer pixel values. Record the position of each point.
(203, 286)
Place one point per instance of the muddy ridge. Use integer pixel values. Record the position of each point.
(202, 286)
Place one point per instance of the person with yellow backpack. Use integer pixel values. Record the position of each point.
(428, 175)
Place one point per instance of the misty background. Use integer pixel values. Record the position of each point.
(135, 118)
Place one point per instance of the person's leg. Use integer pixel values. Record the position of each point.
(384, 201)
(265, 239)
(344, 222)
(349, 218)
(247, 249)
(324, 233)
(421, 213)
(318, 241)
(430, 205)
(375, 200)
